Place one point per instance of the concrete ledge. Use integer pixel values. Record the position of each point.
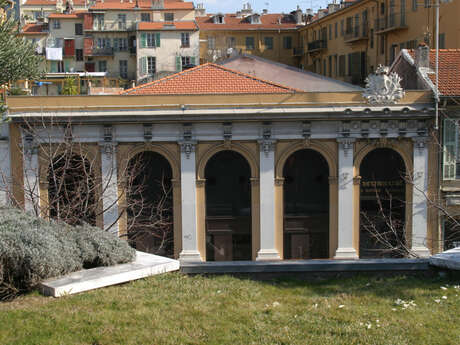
(317, 266)
(449, 259)
(145, 265)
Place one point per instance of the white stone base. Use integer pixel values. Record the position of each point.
(421, 252)
(268, 255)
(346, 254)
(144, 266)
(190, 256)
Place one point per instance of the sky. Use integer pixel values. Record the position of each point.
(273, 6)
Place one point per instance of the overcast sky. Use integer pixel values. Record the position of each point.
(273, 6)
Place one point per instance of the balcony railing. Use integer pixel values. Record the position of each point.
(357, 33)
(317, 45)
(113, 26)
(297, 51)
(102, 51)
(390, 22)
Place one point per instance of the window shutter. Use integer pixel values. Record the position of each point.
(157, 39)
(115, 44)
(192, 60)
(53, 67)
(66, 66)
(143, 40)
(450, 149)
(178, 64)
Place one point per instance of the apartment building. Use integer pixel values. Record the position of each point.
(273, 36)
(135, 41)
(349, 41)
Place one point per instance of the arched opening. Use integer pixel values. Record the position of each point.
(150, 204)
(228, 207)
(71, 190)
(306, 206)
(382, 204)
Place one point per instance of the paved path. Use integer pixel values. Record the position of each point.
(145, 265)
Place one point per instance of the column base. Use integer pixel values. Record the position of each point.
(421, 252)
(268, 255)
(346, 254)
(190, 256)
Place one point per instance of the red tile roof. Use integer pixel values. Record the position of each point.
(232, 22)
(143, 4)
(149, 26)
(50, 3)
(208, 79)
(449, 70)
(74, 15)
(33, 29)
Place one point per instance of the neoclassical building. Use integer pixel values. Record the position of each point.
(258, 170)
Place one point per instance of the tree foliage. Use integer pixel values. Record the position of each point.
(17, 56)
(70, 86)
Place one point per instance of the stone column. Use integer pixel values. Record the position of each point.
(345, 248)
(5, 172)
(190, 252)
(109, 186)
(31, 177)
(267, 249)
(419, 202)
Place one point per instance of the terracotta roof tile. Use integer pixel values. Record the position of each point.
(33, 29)
(185, 25)
(232, 22)
(74, 15)
(50, 3)
(449, 70)
(143, 4)
(208, 79)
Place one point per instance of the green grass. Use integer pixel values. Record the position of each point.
(180, 309)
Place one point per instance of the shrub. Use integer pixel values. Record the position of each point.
(33, 249)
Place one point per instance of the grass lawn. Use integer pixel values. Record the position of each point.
(179, 309)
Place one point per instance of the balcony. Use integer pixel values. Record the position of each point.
(101, 52)
(389, 23)
(357, 33)
(317, 45)
(297, 51)
(113, 26)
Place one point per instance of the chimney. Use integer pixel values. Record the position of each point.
(264, 11)
(298, 15)
(422, 56)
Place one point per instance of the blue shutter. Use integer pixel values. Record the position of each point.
(143, 40)
(178, 64)
(450, 149)
(157, 39)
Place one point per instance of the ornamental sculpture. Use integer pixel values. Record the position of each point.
(383, 87)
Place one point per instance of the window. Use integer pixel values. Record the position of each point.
(250, 43)
(382, 8)
(268, 43)
(336, 33)
(122, 22)
(56, 24)
(56, 66)
(186, 60)
(183, 61)
(342, 27)
(382, 44)
(324, 67)
(330, 32)
(79, 54)
(78, 29)
(342, 66)
(102, 43)
(414, 5)
(211, 43)
(150, 40)
(98, 23)
(124, 69)
(451, 159)
(102, 66)
(145, 17)
(349, 27)
(442, 41)
(287, 42)
(231, 42)
(185, 39)
(330, 65)
(169, 17)
(372, 39)
(120, 44)
(151, 65)
(427, 3)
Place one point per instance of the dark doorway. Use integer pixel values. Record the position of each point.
(71, 190)
(228, 207)
(306, 206)
(382, 205)
(150, 204)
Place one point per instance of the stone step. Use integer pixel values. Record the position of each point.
(145, 265)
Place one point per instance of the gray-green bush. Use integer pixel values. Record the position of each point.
(33, 249)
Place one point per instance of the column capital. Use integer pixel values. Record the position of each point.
(420, 142)
(175, 182)
(346, 144)
(255, 181)
(357, 180)
(279, 181)
(187, 147)
(333, 180)
(200, 182)
(108, 147)
(267, 146)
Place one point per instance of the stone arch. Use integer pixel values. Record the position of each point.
(248, 155)
(315, 146)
